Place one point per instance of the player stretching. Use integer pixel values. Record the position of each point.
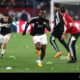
(5, 33)
(72, 29)
(38, 34)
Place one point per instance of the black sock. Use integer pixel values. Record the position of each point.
(43, 51)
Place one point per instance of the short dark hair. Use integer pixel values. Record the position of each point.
(42, 9)
(62, 9)
(57, 5)
(5, 14)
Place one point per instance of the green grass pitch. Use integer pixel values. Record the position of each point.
(21, 57)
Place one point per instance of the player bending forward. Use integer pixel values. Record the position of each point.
(72, 29)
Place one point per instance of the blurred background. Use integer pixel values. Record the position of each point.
(31, 7)
(25, 9)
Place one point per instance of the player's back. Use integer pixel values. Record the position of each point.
(58, 24)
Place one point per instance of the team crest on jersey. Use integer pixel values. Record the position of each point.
(36, 22)
(44, 23)
(39, 26)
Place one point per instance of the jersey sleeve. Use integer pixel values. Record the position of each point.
(48, 25)
(28, 23)
(57, 18)
(32, 20)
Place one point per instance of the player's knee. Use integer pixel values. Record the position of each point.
(4, 46)
(38, 46)
(6, 40)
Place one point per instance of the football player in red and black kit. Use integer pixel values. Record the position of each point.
(39, 24)
(72, 29)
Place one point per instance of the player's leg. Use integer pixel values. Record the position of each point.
(0, 49)
(4, 44)
(43, 52)
(38, 48)
(72, 43)
(54, 45)
(1, 42)
(42, 55)
(36, 40)
(37, 43)
(0, 45)
(43, 41)
(66, 46)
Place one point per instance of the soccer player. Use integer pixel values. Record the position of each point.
(5, 33)
(58, 31)
(72, 29)
(39, 24)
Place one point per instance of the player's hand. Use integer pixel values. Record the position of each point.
(64, 36)
(6, 25)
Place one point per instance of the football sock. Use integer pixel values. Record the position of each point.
(3, 51)
(42, 53)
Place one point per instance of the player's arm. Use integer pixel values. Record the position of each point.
(32, 20)
(28, 23)
(57, 19)
(64, 36)
(24, 32)
(3, 25)
(70, 23)
(48, 25)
